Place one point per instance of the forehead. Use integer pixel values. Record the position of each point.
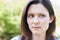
(37, 8)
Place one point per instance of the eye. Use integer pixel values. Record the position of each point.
(41, 15)
(30, 15)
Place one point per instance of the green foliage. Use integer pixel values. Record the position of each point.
(9, 20)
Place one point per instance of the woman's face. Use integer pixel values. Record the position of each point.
(38, 19)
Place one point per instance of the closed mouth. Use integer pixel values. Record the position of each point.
(36, 27)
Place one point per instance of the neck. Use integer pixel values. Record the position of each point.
(41, 36)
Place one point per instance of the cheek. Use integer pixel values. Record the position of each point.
(45, 23)
(46, 20)
(29, 22)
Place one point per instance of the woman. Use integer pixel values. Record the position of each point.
(38, 21)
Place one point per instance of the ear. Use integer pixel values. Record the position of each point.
(51, 19)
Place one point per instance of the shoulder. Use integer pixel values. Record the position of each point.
(19, 37)
(56, 38)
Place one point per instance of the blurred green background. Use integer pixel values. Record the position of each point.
(10, 18)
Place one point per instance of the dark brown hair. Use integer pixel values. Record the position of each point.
(27, 35)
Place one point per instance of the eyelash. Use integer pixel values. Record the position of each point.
(30, 15)
(41, 16)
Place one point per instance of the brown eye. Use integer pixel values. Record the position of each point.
(30, 15)
(41, 16)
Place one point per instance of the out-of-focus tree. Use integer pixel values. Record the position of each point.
(10, 14)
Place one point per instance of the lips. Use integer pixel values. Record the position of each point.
(36, 27)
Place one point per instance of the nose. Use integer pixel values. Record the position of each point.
(36, 21)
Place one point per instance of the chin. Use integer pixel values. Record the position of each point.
(35, 32)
